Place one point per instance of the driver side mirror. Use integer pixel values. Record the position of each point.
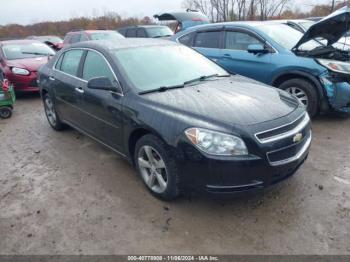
(104, 83)
(257, 49)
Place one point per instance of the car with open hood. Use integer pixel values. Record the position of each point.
(317, 74)
(20, 61)
(184, 20)
(179, 118)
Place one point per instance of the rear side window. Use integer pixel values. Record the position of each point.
(75, 38)
(208, 39)
(239, 41)
(70, 62)
(131, 32)
(141, 33)
(96, 66)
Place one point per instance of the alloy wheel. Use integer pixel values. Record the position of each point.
(299, 94)
(153, 169)
(50, 111)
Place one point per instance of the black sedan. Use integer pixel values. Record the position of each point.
(183, 121)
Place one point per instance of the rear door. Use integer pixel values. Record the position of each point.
(66, 85)
(102, 109)
(235, 57)
(209, 43)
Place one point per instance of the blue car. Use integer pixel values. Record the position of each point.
(317, 73)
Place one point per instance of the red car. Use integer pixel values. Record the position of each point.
(55, 42)
(88, 35)
(20, 61)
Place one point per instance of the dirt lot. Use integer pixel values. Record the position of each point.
(62, 193)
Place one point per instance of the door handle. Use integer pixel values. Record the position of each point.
(227, 55)
(79, 90)
(52, 78)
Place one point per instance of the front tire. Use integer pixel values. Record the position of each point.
(51, 114)
(157, 167)
(5, 112)
(305, 92)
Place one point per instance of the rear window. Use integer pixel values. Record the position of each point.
(75, 38)
(208, 39)
(106, 36)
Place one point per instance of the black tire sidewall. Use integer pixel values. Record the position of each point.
(59, 125)
(7, 110)
(309, 89)
(172, 190)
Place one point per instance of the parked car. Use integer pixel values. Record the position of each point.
(184, 20)
(188, 125)
(20, 61)
(146, 31)
(55, 42)
(89, 35)
(278, 55)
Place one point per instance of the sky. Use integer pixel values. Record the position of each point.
(33, 11)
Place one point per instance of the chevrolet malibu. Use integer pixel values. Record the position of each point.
(179, 118)
(20, 61)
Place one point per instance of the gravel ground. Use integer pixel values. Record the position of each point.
(62, 193)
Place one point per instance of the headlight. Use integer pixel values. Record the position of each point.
(215, 143)
(335, 66)
(20, 71)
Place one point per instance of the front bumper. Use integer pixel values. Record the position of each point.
(250, 174)
(24, 83)
(338, 93)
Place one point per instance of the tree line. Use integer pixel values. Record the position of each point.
(232, 10)
(216, 10)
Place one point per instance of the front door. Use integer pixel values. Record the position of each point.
(102, 109)
(235, 57)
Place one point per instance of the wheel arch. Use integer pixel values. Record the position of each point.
(279, 79)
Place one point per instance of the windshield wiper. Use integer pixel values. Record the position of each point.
(36, 53)
(203, 78)
(161, 89)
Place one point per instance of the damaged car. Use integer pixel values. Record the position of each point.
(200, 129)
(184, 20)
(316, 73)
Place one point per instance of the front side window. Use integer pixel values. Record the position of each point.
(71, 61)
(239, 40)
(152, 67)
(141, 33)
(186, 39)
(96, 66)
(208, 39)
(131, 33)
(26, 50)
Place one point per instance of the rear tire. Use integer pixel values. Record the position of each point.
(305, 92)
(5, 112)
(51, 114)
(157, 168)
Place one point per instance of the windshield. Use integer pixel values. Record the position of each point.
(148, 68)
(52, 39)
(306, 25)
(26, 50)
(287, 37)
(159, 31)
(106, 36)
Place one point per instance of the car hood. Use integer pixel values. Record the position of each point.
(331, 28)
(31, 64)
(235, 100)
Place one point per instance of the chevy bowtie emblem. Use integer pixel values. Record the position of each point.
(297, 138)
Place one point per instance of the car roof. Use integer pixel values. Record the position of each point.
(18, 42)
(123, 43)
(141, 26)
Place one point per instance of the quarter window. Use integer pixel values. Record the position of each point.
(71, 61)
(208, 39)
(239, 41)
(96, 66)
